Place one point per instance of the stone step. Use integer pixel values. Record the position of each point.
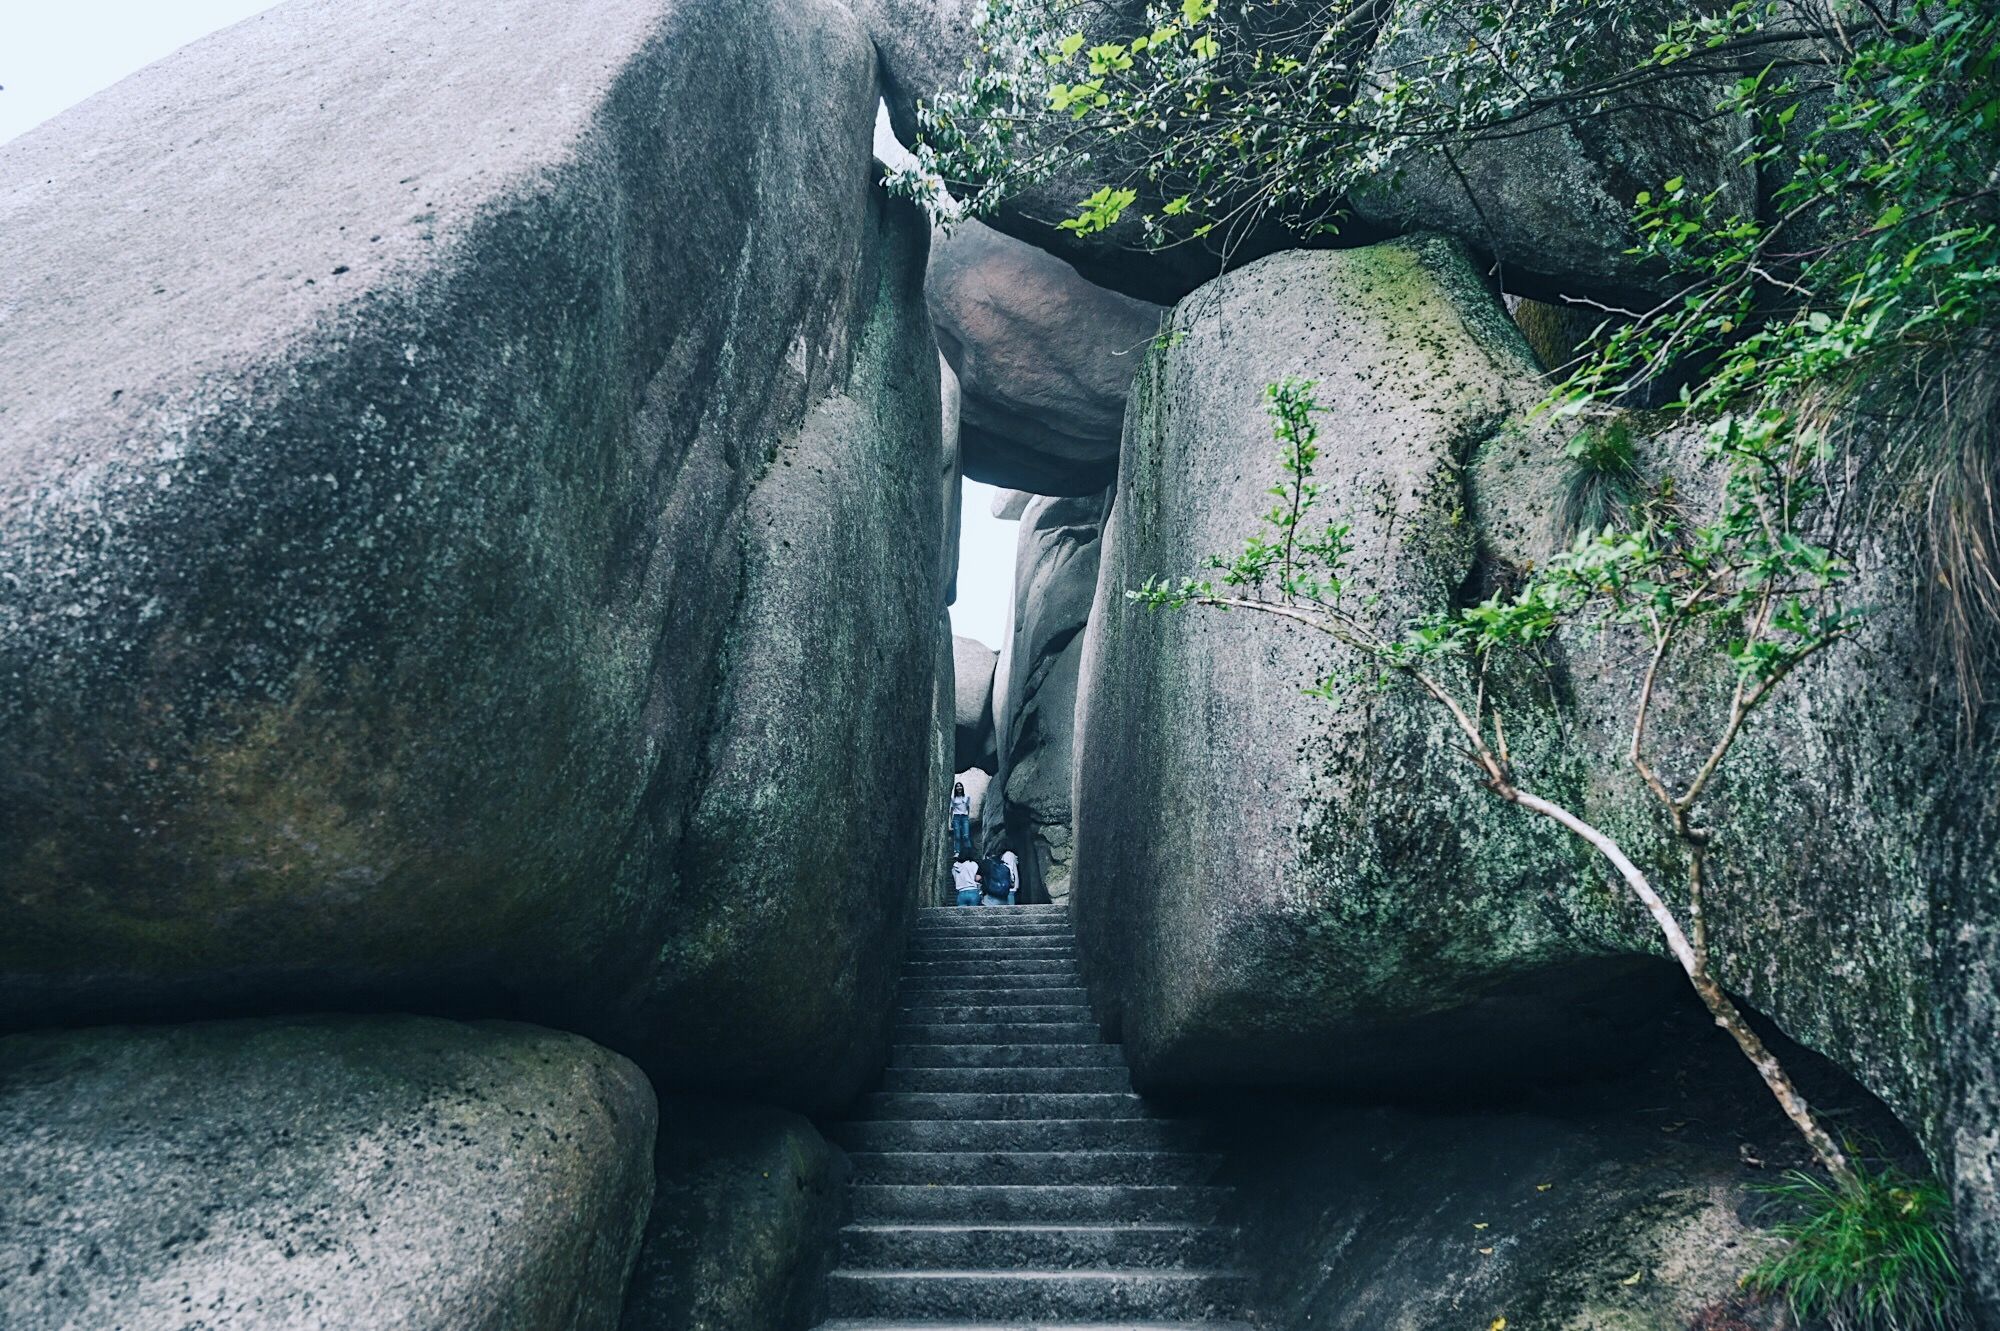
(1046, 1202)
(932, 1134)
(1076, 1295)
(996, 1014)
(972, 1032)
(1073, 996)
(1011, 1324)
(1128, 1246)
(955, 1055)
(913, 985)
(893, 1105)
(1040, 914)
(1007, 1079)
(999, 949)
(975, 938)
(979, 935)
(1010, 1167)
(989, 965)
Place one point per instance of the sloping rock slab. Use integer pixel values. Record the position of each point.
(319, 1172)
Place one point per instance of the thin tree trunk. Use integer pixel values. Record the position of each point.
(1725, 1012)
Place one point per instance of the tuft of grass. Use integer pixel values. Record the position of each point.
(1876, 1256)
(1602, 486)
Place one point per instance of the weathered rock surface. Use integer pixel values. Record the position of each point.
(744, 1219)
(1009, 505)
(1270, 888)
(1276, 890)
(1055, 578)
(1624, 1206)
(1865, 749)
(1044, 359)
(950, 477)
(936, 850)
(1551, 201)
(319, 1172)
(972, 673)
(425, 583)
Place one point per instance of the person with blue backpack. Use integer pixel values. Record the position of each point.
(999, 883)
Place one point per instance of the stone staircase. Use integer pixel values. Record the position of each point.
(1006, 1177)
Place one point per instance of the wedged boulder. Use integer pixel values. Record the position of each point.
(310, 1172)
(1267, 888)
(1009, 505)
(424, 583)
(1055, 578)
(926, 46)
(972, 673)
(744, 1222)
(1044, 359)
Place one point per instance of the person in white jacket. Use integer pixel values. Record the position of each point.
(1013, 863)
(965, 878)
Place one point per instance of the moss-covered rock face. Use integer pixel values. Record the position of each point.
(744, 1221)
(392, 1171)
(1272, 888)
(1854, 900)
(1267, 887)
(431, 579)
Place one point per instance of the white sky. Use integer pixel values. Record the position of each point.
(985, 568)
(55, 53)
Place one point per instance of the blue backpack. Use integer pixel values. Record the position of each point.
(998, 879)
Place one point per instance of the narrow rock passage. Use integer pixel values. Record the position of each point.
(1006, 1177)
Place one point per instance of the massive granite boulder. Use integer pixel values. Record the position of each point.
(427, 581)
(744, 1222)
(1872, 939)
(1268, 888)
(308, 1172)
(1044, 359)
(1034, 696)
(972, 664)
(1273, 888)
